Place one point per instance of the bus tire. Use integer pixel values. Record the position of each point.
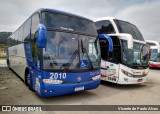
(8, 64)
(27, 80)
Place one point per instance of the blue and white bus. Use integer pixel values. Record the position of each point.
(55, 53)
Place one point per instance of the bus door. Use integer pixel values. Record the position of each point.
(36, 66)
(106, 45)
(36, 55)
(111, 57)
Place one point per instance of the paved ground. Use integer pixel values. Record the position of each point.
(2, 63)
(13, 91)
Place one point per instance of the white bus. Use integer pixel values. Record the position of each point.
(128, 62)
(154, 53)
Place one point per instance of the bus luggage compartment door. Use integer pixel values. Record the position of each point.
(111, 72)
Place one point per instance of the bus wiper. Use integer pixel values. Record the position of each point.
(67, 65)
(85, 51)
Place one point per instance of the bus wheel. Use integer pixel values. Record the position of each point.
(8, 64)
(28, 81)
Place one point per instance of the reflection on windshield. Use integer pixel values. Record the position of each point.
(135, 57)
(68, 22)
(158, 58)
(63, 51)
(153, 54)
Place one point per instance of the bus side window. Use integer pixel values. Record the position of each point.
(26, 30)
(35, 22)
(104, 46)
(34, 34)
(104, 27)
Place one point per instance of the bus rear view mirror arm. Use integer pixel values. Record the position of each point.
(41, 39)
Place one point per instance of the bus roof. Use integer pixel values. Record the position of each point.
(105, 18)
(156, 44)
(111, 18)
(61, 12)
(152, 42)
(153, 47)
(56, 11)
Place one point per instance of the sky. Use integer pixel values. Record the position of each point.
(145, 14)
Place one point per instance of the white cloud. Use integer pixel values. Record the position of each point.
(146, 17)
(143, 13)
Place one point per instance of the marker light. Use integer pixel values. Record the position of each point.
(52, 81)
(96, 77)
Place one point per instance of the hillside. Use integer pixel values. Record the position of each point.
(3, 37)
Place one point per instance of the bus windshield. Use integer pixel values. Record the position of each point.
(125, 27)
(65, 51)
(158, 58)
(153, 54)
(136, 57)
(70, 23)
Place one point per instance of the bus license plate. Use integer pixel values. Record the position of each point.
(79, 88)
(139, 80)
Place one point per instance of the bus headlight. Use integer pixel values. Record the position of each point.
(96, 77)
(52, 81)
(127, 73)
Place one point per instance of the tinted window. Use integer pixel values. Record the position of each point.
(16, 38)
(35, 23)
(20, 34)
(104, 27)
(10, 40)
(138, 33)
(26, 34)
(13, 41)
(66, 22)
(125, 27)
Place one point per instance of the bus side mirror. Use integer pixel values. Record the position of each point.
(109, 39)
(41, 39)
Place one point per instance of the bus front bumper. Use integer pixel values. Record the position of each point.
(60, 89)
(128, 80)
(154, 65)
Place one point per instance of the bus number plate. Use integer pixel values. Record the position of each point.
(79, 88)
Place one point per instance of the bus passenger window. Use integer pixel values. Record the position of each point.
(35, 50)
(104, 27)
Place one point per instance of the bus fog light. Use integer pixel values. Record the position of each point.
(52, 81)
(96, 77)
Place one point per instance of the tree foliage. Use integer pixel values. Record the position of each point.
(3, 37)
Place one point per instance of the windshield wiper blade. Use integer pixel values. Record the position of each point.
(67, 65)
(85, 51)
